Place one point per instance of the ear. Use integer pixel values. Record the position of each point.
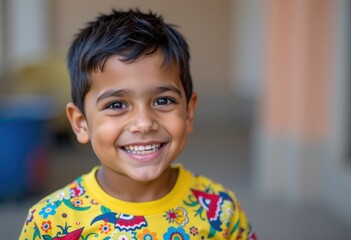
(78, 123)
(191, 112)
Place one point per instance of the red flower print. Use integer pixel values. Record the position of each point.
(194, 231)
(77, 190)
(240, 233)
(225, 233)
(77, 202)
(105, 228)
(46, 226)
(178, 216)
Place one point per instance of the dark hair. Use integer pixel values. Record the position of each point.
(130, 34)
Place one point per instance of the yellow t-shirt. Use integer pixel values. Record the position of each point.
(196, 208)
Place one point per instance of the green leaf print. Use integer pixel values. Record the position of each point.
(105, 209)
(47, 237)
(199, 212)
(36, 232)
(235, 227)
(57, 203)
(192, 202)
(90, 234)
(212, 232)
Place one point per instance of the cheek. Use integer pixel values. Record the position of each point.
(177, 128)
(104, 133)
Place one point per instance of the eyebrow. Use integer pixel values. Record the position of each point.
(123, 92)
(111, 93)
(168, 88)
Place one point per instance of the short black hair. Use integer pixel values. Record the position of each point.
(129, 34)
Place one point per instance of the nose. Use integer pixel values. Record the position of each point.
(143, 121)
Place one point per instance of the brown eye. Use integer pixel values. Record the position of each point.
(163, 101)
(116, 105)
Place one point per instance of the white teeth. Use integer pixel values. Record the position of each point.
(143, 149)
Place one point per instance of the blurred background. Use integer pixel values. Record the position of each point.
(273, 117)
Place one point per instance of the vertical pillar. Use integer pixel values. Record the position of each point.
(27, 31)
(2, 40)
(294, 110)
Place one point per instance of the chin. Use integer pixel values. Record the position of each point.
(145, 177)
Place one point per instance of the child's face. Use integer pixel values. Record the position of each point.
(137, 117)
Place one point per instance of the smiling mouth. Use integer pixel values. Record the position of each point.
(143, 149)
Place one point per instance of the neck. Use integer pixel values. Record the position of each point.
(122, 187)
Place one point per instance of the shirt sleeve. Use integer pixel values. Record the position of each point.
(241, 228)
(30, 229)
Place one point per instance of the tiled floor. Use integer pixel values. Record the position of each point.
(221, 153)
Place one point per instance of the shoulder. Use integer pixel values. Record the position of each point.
(57, 212)
(210, 186)
(222, 208)
(213, 196)
(47, 205)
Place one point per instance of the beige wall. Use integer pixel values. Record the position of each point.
(295, 108)
(205, 24)
(302, 125)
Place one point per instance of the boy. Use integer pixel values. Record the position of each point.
(133, 101)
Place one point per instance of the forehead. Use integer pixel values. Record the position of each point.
(147, 69)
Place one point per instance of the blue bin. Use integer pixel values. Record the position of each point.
(24, 144)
